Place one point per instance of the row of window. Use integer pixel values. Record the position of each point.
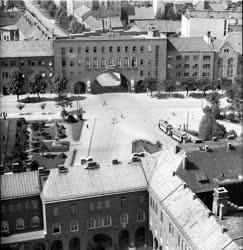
(43, 73)
(22, 63)
(187, 66)
(20, 225)
(12, 208)
(187, 57)
(104, 49)
(187, 74)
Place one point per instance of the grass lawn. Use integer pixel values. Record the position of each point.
(48, 162)
(76, 130)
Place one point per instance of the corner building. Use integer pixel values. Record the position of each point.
(82, 58)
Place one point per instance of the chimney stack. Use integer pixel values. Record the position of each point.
(185, 162)
(221, 209)
(220, 197)
(176, 149)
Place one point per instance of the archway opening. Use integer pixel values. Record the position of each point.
(56, 245)
(74, 244)
(123, 240)
(109, 82)
(140, 87)
(39, 246)
(100, 242)
(140, 237)
(150, 239)
(156, 244)
(79, 88)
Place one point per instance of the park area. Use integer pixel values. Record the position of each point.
(111, 123)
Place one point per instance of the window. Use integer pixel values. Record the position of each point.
(79, 50)
(22, 63)
(187, 57)
(161, 216)
(123, 201)
(126, 48)
(91, 223)
(179, 240)
(195, 66)
(70, 50)
(35, 221)
(110, 62)
(186, 66)
(195, 58)
(95, 62)
(63, 51)
(124, 218)
(87, 63)
(71, 63)
(206, 66)
(134, 62)
(107, 204)
(126, 62)
(79, 63)
(186, 74)
(87, 49)
(107, 221)
(141, 216)
(73, 209)
(170, 58)
(142, 49)
(4, 227)
(55, 211)
(118, 49)
(19, 207)
(29, 62)
(91, 206)
(3, 209)
(11, 208)
(195, 74)
(178, 66)
(56, 228)
(205, 74)
(19, 224)
(50, 63)
(102, 63)
(141, 62)
(133, 48)
(169, 227)
(94, 49)
(119, 62)
(178, 57)
(27, 206)
(99, 205)
(149, 62)
(103, 49)
(110, 49)
(141, 72)
(178, 74)
(99, 222)
(149, 48)
(206, 58)
(73, 226)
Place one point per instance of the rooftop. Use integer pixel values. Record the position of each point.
(19, 185)
(9, 18)
(184, 44)
(31, 48)
(206, 170)
(143, 13)
(235, 41)
(80, 183)
(82, 10)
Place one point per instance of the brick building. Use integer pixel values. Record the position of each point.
(82, 58)
(27, 57)
(189, 57)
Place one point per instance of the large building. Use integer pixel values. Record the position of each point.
(160, 201)
(82, 58)
(28, 58)
(189, 57)
(219, 23)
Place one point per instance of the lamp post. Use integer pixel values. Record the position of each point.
(132, 85)
(88, 86)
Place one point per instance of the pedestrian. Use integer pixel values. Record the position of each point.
(87, 125)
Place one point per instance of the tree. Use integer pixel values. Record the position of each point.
(124, 16)
(215, 111)
(63, 101)
(224, 83)
(16, 83)
(52, 8)
(188, 84)
(213, 98)
(151, 84)
(204, 84)
(159, 15)
(168, 86)
(218, 130)
(38, 84)
(170, 14)
(60, 84)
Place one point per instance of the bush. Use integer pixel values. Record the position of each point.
(196, 95)
(177, 95)
(162, 95)
(230, 116)
(232, 132)
(34, 165)
(71, 119)
(218, 130)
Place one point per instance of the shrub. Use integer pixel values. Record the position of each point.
(71, 119)
(230, 116)
(218, 130)
(232, 132)
(213, 98)
(177, 95)
(162, 95)
(196, 95)
(34, 165)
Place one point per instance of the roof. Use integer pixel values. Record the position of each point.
(218, 6)
(93, 23)
(9, 27)
(143, 13)
(208, 169)
(31, 48)
(19, 185)
(81, 11)
(114, 21)
(9, 18)
(234, 39)
(200, 230)
(187, 44)
(80, 183)
(164, 26)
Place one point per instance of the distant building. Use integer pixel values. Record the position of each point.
(219, 23)
(142, 13)
(27, 57)
(189, 57)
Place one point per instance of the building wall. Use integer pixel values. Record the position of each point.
(178, 69)
(146, 59)
(9, 35)
(109, 8)
(164, 232)
(24, 208)
(28, 66)
(85, 210)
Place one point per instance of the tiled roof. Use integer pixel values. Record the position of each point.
(20, 185)
(79, 182)
(185, 44)
(201, 231)
(26, 48)
(213, 166)
(164, 26)
(234, 39)
(93, 23)
(115, 22)
(143, 13)
(81, 11)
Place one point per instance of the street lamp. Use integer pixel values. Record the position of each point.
(132, 84)
(89, 86)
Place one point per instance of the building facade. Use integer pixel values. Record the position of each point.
(82, 59)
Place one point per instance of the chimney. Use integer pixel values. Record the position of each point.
(176, 149)
(185, 162)
(221, 209)
(220, 197)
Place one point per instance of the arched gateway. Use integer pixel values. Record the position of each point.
(100, 242)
